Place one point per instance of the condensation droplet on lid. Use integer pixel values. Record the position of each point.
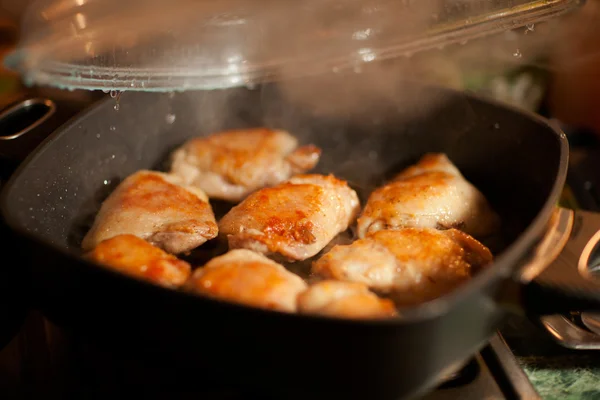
(518, 54)
(170, 118)
(106, 181)
(496, 126)
(116, 107)
(97, 136)
(113, 156)
(114, 93)
(113, 128)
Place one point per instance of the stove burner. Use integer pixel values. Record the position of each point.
(462, 377)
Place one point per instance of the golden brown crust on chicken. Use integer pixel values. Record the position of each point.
(156, 208)
(295, 219)
(344, 300)
(415, 264)
(136, 257)
(231, 164)
(430, 194)
(245, 277)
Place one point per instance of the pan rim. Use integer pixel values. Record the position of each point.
(503, 266)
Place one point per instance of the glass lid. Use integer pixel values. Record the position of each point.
(155, 45)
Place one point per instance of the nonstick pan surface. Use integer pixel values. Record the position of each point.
(518, 161)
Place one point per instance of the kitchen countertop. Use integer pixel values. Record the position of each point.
(564, 377)
(554, 371)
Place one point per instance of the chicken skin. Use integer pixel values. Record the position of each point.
(344, 300)
(249, 278)
(134, 256)
(430, 194)
(230, 165)
(415, 264)
(295, 219)
(155, 207)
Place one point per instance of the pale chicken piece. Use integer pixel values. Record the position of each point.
(134, 256)
(295, 219)
(231, 164)
(415, 264)
(154, 206)
(249, 278)
(430, 194)
(344, 300)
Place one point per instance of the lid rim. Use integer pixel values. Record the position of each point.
(199, 68)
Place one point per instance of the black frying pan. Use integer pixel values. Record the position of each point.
(23, 124)
(518, 160)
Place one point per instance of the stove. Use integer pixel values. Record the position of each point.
(520, 361)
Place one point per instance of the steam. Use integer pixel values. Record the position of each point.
(349, 74)
(346, 58)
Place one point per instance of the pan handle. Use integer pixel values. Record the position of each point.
(571, 282)
(23, 126)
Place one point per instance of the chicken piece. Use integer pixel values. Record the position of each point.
(295, 219)
(230, 165)
(155, 207)
(136, 257)
(344, 300)
(417, 264)
(249, 278)
(431, 194)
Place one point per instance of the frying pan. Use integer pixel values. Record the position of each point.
(518, 160)
(23, 124)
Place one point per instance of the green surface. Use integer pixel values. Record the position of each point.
(564, 377)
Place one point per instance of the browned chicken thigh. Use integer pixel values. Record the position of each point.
(295, 219)
(415, 264)
(229, 165)
(154, 206)
(344, 300)
(134, 256)
(249, 278)
(431, 194)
